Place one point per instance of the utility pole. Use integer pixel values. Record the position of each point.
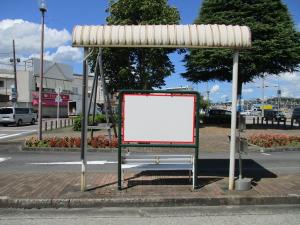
(263, 98)
(278, 98)
(43, 9)
(14, 61)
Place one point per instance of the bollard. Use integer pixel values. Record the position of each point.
(284, 123)
(257, 119)
(253, 120)
(272, 122)
(292, 122)
(262, 120)
(51, 125)
(60, 124)
(267, 122)
(278, 123)
(46, 124)
(56, 124)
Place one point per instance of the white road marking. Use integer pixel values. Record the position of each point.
(263, 153)
(17, 134)
(4, 159)
(2, 135)
(15, 130)
(75, 163)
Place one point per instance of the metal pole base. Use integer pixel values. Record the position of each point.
(243, 184)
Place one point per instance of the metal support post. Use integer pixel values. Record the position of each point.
(40, 133)
(233, 120)
(195, 175)
(84, 121)
(120, 141)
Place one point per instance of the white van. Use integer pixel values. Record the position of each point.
(17, 115)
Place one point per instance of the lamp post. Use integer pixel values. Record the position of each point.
(43, 9)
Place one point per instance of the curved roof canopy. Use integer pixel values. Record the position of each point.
(168, 36)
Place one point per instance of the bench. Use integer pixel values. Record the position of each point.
(157, 163)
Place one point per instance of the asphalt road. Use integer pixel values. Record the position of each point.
(268, 164)
(223, 215)
(12, 131)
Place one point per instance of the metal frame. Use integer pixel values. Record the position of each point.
(122, 145)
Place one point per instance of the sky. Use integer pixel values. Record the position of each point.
(20, 20)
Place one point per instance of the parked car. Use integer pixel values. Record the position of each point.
(217, 116)
(246, 113)
(17, 115)
(256, 112)
(219, 112)
(274, 115)
(296, 114)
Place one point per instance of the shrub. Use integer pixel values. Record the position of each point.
(71, 142)
(274, 140)
(99, 118)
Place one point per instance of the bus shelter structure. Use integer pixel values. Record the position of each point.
(163, 36)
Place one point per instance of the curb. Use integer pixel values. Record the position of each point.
(132, 150)
(256, 148)
(147, 202)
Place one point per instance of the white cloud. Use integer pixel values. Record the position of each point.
(63, 53)
(247, 90)
(290, 77)
(215, 89)
(27, 36)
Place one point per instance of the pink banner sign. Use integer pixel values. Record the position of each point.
(48, 99)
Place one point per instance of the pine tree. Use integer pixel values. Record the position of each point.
(275, 41)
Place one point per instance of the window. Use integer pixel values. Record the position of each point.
(22, 110)
(75, 90)
(1, 83)
(6, 110)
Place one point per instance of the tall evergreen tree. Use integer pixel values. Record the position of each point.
(275, 41)
(138, 68)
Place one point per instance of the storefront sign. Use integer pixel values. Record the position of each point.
(48, 99)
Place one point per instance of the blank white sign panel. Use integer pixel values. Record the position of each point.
(158, 118)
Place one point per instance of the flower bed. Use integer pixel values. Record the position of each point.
(71, 142)
(274, 140)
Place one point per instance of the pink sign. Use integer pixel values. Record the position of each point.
(48, 99)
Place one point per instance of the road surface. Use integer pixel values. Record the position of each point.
(13, 160)
(223, 215)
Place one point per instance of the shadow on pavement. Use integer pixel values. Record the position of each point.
(209, 170)
(220, 167)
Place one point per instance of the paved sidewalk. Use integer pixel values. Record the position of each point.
(35, 190)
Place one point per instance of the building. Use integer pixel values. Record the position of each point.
(28, 84)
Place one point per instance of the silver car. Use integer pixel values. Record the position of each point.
(17, 115)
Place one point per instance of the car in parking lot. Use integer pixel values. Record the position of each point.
(274, 115)
(17, 115)
(296, 114)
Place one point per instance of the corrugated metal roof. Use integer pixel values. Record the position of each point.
(171, 36)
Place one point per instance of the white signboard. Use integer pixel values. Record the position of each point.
(159, 118)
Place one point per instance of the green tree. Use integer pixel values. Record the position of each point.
(275, 41)
(138, 68)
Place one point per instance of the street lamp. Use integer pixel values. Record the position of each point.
(43, 9)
